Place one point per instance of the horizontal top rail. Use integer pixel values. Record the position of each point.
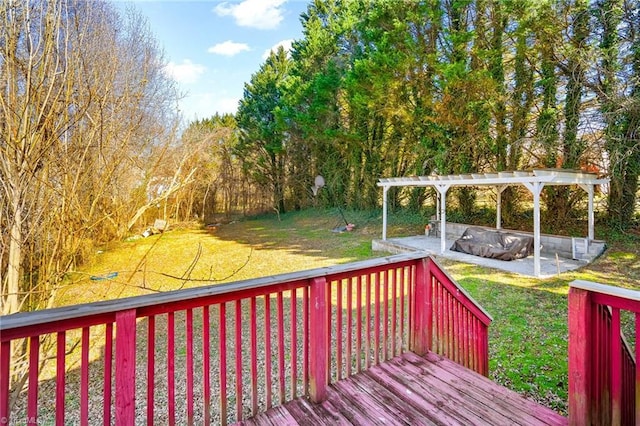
(606, 289)
(107, 307)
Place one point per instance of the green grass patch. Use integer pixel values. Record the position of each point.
(528, 338)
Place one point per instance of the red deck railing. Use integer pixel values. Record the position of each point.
(223, 353)
(603, 379)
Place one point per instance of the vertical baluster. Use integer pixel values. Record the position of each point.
(305, 339)
(281, 349)
(616, 368)
(329, 325)
(411, 285)
(34, 368)
(385, 315)
(294, 344)
(338, 330)
(394, 312)
(359, 323)
(151, 368)
(376, 323)
(367, 340)
(403, 279)
(189, 362)
(348, 354)
(637, 370)
(108, 363)
(60, 377)
(267, 349)
(171, 368)
(222, 353)
(5, 357)
(253, 326)
(238, 358)
(84, 378)
(597, 355)
(206, 364)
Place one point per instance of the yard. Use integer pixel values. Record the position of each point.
(528, 338)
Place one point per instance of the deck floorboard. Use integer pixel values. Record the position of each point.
(414, 390)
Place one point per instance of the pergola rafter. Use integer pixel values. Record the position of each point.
(534, 181)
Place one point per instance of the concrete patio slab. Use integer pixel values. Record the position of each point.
(550, 264)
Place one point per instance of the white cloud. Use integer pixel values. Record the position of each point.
(286, 45)
(261, 14)
(228, 48)
(186, 72)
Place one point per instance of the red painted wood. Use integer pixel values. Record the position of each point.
(238, 358)
(294, 346)
(253, 325)
(367, 340)
(222, 353)
(267, 350)
(348, 353)
(60, 376)
(394, 312)
(5, 358)
(305, 339)
(376, 319)
(151, 368)
(359, 323)
(412, 302)
(401, 297)
(171, 368)
(339, 330)
(385, 316)
(329, 318)
(616, 368)
(281, 348)
(84, 377)
(125, 367)
(387, 323)
(206, 364)
(318, 341)
(34, 360)
(108, 363)
(189, 362)
(422, 313)
(636, 389)
(579, 357)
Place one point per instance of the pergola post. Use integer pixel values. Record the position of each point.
(590, 190)
(536, 189)
(442, 191)
(384, 212)
(499, 190)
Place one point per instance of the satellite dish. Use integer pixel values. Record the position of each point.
(319, 183)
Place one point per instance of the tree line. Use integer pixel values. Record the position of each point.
(87, 138)
(91, 146)
(396, 88)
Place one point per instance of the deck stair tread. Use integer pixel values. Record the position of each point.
(413, 390)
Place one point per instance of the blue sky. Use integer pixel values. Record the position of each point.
(213, 47)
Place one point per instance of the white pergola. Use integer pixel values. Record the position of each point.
(533, 180)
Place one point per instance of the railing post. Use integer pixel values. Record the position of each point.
(125, 367)
(422, 324)
(580, 377)
(318, 339)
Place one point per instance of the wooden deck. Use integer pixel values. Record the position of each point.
(413, 390)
